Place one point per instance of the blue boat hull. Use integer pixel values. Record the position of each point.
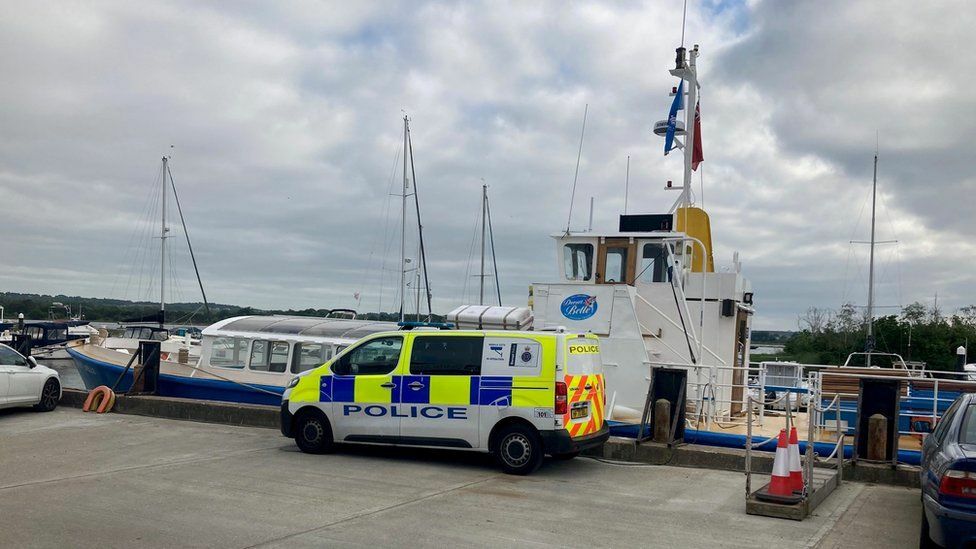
(95, 372)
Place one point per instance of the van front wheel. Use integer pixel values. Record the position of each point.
(519, 450)
(313, 434)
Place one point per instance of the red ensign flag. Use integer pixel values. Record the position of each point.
(696, 151)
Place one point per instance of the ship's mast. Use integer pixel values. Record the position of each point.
(162, 248)
(686, 69)
(403, 225)
(870, 312)
(484, 204)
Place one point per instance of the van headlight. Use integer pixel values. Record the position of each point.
(294, 381)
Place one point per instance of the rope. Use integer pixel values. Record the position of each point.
(234, 381)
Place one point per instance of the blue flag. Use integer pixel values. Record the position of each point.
(676, 105)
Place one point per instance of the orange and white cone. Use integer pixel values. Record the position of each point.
(780, 484)
(796, 469)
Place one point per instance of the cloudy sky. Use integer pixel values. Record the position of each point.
(285, 121)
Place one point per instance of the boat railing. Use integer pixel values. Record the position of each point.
(922, 399)
(717, 403)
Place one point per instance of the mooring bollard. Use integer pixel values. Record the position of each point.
(662, 420)
(877, 437)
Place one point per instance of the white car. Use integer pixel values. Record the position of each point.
(23, 382)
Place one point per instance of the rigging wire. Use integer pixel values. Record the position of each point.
(386, 231)
(579, 154)
(494, 259)
(420, 228)
(186, 233)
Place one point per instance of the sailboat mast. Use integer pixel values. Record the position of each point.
(403, 225)
(162, 248)
(870, 312)
(484, 202)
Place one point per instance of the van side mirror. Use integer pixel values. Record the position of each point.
(31, 362)
(921, 426)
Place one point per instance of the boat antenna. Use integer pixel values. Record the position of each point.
(869, 347)
(420, 226)
(491, 237)
(579, 153)
(186, 233)
(627, 185)
(684, 14)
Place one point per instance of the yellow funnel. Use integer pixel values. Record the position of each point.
(694, 222)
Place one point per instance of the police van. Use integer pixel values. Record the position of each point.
(518, 395)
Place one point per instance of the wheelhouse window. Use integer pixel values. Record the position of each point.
(269, 356)
(35, 332)
(446, 356)
(228, 352)
(310, 355)
(578, 261)
(654, 263)
(375, 357)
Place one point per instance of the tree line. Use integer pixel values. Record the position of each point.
(918, 333)
(61, 307)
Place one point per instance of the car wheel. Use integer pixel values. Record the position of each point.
(50, 395)
(924, 539)
(519, 450)
(313, 434)
(565, 457)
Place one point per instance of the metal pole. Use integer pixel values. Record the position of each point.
(627, 185)
(749, 446)
(692, 78)
(162, 248)
(874, 195)
(403, 226)
(484, 197)
(589, 227)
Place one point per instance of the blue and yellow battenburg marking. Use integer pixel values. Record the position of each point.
(444, 390)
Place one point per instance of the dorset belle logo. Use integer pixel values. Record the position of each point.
(579, 306)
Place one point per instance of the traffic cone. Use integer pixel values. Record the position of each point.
(796, 470)
(780, 484)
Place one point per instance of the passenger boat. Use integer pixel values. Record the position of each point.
(245, 359)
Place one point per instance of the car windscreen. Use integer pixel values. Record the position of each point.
(967, 432)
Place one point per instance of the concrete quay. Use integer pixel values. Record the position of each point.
(116, 480)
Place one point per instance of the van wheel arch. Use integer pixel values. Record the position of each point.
(505, 424)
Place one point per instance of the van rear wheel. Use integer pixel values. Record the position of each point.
(519, 450)
(313, 434)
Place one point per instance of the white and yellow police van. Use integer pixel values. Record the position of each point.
(518, 395)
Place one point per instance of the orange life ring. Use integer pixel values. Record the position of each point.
(100, 400)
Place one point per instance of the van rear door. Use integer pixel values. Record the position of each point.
(585, 387)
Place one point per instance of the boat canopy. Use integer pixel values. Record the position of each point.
(299, 326)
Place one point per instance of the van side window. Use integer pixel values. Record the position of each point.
(578, 261)
(446, 356)
(375, 357)
(310, 355)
